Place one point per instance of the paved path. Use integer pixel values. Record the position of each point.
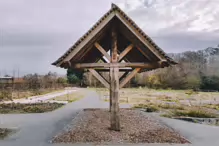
(38, 129)
(197, 134)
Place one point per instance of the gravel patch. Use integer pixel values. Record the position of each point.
(92, 126)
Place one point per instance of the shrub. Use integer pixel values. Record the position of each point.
(168, 106)
(29, 108)
(140, 106)
(194, 113)
(152, 109)
(210, 82)
(148, 108)
(33, 109)
(213, 106)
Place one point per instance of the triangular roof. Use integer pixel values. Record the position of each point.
(114, 13)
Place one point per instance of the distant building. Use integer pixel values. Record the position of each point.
(6, 79)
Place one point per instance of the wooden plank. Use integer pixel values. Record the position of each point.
(99, 77)
(128, 49)
(102, 51)
(154, 65)
(114, 85)
(131, 75)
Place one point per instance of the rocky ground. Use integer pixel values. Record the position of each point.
(92, 126)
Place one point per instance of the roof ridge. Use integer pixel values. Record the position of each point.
(114, 7)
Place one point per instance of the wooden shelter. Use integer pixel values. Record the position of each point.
(122, 46)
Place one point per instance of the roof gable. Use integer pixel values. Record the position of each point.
(101, 25)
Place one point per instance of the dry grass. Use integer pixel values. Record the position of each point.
(28, 108)
(71, 97)
(145, 95)
(191, 113)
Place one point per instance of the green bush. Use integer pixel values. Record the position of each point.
(210, 82)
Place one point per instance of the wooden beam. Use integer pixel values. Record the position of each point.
(103, 76)
(124, 75)
(108, 70)
(100, 78)
(102, 59)
(154, 65)
(131, 75)
(102, 50)
(142, 52)
(128, 49)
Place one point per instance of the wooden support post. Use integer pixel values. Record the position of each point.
(131, 75)
(114, 85)
(99, 77)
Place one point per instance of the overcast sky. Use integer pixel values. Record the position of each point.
(34, 33)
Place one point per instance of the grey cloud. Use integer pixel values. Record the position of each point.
(33, 33)
(179, 42)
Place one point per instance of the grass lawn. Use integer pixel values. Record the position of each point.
(71, 97)
(4, 132)
(28, 108)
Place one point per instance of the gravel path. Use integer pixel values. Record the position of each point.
(38, 129)
(93, 127)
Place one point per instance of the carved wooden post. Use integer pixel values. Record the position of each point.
(114, 85)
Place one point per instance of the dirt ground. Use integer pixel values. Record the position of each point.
(93, 127)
